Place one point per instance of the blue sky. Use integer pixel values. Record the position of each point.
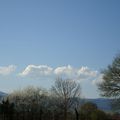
(80, 35)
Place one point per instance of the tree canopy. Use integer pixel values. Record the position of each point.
(66, 91)
(110, 86)
(89, 111)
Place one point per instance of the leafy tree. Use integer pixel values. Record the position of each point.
(66, 91)
(98, 115)
(89, 111)
(110, 86)
(86, 110)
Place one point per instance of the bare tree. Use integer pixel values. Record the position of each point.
(29, 101)
(66, 91)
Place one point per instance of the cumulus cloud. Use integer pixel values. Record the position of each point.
(82, 73)
(6, 70)
(66, 71)
(85, 73)
(36, 71)
(98, 79)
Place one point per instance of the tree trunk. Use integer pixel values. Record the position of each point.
(65, 114)
(77, 114)
(41, 112)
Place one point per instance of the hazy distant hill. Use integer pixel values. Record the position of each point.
(2, 94)
(102, 103)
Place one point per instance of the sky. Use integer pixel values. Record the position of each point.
(41, 40)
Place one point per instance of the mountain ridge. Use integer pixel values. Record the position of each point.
(102, 103)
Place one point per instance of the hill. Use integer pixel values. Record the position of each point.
(2, 94)
(102, 103)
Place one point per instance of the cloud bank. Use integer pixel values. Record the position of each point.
(7, 70)
(81, 73)
(36, 71)
(44, 71)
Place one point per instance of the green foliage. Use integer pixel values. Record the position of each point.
(88, 107)
(110, 87)
(86, 110)
(98, 115)
(89, 111)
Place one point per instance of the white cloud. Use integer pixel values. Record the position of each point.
(67, 71)
(84, 73)
(6, 70)
(98, 79)
(36, 71)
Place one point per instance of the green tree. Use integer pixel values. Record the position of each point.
(89, 111)
(86, 110)
(98, 115)
(110, 86)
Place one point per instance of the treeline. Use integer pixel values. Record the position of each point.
(62, 102)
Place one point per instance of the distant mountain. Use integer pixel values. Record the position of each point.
(102, 103)
(2, 94)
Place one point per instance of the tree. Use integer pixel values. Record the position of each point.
(66, 91)
(7, 109)
(110, 87)
(86, 110)
(29, 102)
(98, 115)
(89, 111)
